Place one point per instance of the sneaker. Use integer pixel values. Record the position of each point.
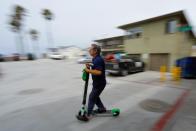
(89, 117)
(100, 111)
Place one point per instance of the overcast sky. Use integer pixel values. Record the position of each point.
(78, 22)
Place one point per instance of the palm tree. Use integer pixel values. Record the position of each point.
(16, 25)
(48, 16)
(34, 36)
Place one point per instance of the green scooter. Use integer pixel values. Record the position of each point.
(82, 114)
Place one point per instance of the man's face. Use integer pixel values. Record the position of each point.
(92, 52)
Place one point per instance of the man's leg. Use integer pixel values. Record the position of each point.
(100, 104)
(93, 97)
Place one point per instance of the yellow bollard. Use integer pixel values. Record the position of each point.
(176, 73)
(173, 73)
(163, 73)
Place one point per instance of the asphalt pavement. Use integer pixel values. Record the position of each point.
(45, 95)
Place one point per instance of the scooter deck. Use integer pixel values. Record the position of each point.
(108, 113)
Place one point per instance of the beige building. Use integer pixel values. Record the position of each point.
(157, 41)
(160, 40)
(111, 45)
(193, 51)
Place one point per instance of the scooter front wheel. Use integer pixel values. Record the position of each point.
(115, 112)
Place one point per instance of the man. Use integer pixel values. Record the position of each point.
(99, 82)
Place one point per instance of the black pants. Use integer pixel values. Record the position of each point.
(94, 98)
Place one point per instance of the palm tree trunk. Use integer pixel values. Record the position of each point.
(38, 50)
(27, 45)
(17, 44)
(49, 35)
(35, 46)
(21, 43)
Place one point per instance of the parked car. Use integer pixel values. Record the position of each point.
(123, 66)
(31, 56)
(2, 58)
(84, 60)
(15, 57)
(56, 56)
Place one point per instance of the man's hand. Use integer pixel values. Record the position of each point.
(87, 70)
(88, 65)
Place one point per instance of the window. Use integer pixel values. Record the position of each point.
(171, 26)
(134, 33)
(135, 57)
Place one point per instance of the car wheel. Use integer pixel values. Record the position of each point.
(64, 57)
(107, 73)
(124, 72)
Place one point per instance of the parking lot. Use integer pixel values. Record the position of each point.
(45, 95)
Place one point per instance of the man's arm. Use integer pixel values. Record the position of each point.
(94, 72)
